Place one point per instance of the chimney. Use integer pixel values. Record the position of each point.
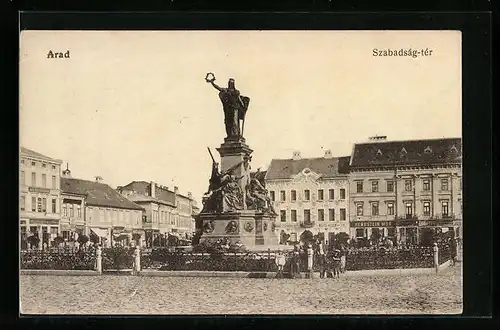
(98, 179)
(377, 138)
(176, 190)
(152, 189)
(296, 155)
(328, 154)
(190, 195)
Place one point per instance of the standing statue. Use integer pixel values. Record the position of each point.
(235, 106)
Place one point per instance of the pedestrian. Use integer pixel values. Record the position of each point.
(342, 261)
(453, 251)
(280, 262)
(336, 263)
(321, 260)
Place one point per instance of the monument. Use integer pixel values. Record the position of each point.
(236, 205)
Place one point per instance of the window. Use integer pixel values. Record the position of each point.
(444, 184)
(283, 215)
(33, 179)
(321, 215)
(390, 208)
(427, 208)
(39, 204)
(44, 180)
(342, 193)
(54, 182)
(359, 187)
(33, 204)
(53, 167)
(283, 195)
(331, 214)
(374, 208)
(390, 186)
(294, 215)
(427, 185)
(271, 194)
(44, 165)
(331, 194)
(22, 178)
(307, 215)
(444, 208)
(54, 205)
(408, 185)
(22, 161)
(391, 232)
(374, 186)
(53, 231)
(44, 204)
(320, 194)
(33, 164)
(293, 195)
(307, 195)
(22, 203)
(343, 216)
(360, 232)
(409, 209)
(359, 209)
(72, 210)
(65, 210)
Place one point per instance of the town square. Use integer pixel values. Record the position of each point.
(196, 185)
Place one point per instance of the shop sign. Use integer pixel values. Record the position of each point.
(44, 222)
(39, 190)
(372, 223)
(407, 222)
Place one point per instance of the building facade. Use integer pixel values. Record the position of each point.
(72, 210)
(406, 190)
(40, 196)
(166, 212)
(108, 217)
(310, 195)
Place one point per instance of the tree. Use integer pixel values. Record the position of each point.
(306, 236)
(33, 240)
(82, 239)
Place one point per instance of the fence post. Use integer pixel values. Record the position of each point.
(436, 257)
(98, 254)
(309, 261)
(137, 260)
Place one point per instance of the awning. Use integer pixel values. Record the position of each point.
(100, 232)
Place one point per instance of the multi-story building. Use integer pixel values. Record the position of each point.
(404, 190)
(107, 216)
(40, 196)
(72, 209)
(165, 211)
(310, 195)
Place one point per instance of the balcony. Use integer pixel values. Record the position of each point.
(407, 217)
(307, 224)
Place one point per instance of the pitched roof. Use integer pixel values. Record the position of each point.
(30, 153)
(98, 194)
(409, 152)
(144, 188)
(327, 167)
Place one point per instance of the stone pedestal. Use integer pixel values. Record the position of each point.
(253, 229)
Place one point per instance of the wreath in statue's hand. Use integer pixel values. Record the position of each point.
(265, 226)
(210, 77)
(249, 226)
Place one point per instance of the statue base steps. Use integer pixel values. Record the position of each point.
(253, 230)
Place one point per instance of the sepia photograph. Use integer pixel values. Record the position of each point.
(240, 172)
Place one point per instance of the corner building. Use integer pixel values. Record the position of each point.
(310, 196)
(406, 190)
(40, 196)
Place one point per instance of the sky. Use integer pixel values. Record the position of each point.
(134, 105)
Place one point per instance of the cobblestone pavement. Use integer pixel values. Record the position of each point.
(420, 294)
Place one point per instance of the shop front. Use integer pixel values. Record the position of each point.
(373, 231)
(121, 236)
(100, 236)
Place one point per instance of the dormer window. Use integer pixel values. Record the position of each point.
(306, 171)
(403, 151)
(453, 148)
(379, 153)
(428, 150)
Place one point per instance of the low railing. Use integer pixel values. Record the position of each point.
(390, 258)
